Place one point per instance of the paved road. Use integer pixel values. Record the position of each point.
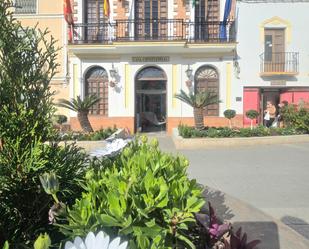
(272, 178)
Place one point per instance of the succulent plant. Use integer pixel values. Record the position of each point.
(214, 228)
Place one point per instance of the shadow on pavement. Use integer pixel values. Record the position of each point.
(298, 225)
(266, 231)
(217, 200)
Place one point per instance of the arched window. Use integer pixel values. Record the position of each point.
(96, 82)
(207, 78)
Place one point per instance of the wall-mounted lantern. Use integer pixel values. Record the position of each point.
(114, 76)
(189, 74)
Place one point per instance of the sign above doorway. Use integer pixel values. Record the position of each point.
(278, 83)
(151, 59)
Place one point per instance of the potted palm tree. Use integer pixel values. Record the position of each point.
(199, 101)
(82, 108)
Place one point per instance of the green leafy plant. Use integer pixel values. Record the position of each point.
(93, 136)
(82, 107)
(60, 119)
(229, 114)
(27, 64)
(23, 204)
(6, 245)
(199, 101)
(259, 131)
(42, 242)
(252, 114)
(296, 117)
(145, 196)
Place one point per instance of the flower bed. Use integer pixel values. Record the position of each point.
(93, 136)
(224, 132)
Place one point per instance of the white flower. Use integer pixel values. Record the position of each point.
(100, 241)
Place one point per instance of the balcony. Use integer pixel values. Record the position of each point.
(160, 30)
(284, 63)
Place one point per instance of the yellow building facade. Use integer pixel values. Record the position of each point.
(48, 15)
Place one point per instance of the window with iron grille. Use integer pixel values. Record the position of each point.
(96, 83)
(207, 78)
(25, 6)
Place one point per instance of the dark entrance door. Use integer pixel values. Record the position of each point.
(269, 94)
(150, 100)
(274, 56)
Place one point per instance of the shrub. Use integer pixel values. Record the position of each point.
(297, 118)
(94, 136)
(229, 114)
(145, 196)
(260, 131)
(61, 119)
(27, 64)
(24, 206)
(252, 114)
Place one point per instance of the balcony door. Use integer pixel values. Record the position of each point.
(150, 19)
(274, 50)
(207, 16)
(96, 28)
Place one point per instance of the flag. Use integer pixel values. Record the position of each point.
(68, 16)
(106, 8)
(67, 10)
(233, 11)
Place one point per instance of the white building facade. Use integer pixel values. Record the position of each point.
(272, 54)
(145, 54)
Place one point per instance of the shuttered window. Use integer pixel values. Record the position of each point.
(25, 6)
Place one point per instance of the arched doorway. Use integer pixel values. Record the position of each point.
(207, 78)
(150, 100)
(96, 83)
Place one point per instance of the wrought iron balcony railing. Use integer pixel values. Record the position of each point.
(154, 30)
(279, 63)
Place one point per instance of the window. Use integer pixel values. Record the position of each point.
(25, 6)
(150, 19)
(96, 82)
(207, 16)
(207, 78)
(97, 28)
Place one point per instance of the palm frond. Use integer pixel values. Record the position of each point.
(199, 99)
(78, 104)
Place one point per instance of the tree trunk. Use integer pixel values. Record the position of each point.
(198, 118)
(84, 121)
(251, 124)
(230, 123)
